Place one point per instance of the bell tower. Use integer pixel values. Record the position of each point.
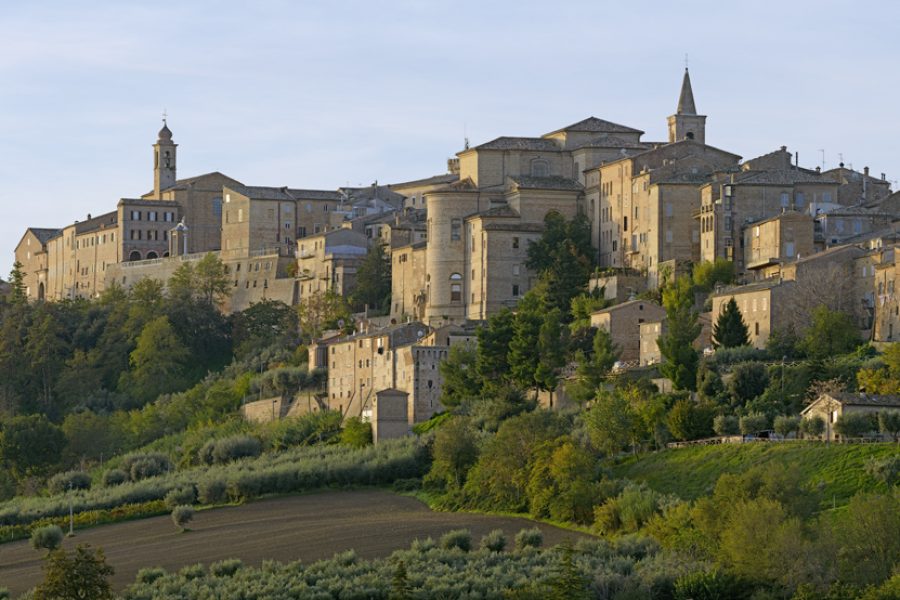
(163, 160)
(686, 124)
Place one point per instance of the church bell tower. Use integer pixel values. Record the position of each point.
(686, 124)
(163, 160)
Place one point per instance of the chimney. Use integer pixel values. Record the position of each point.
(866, 171)
(883, 177)
(818, 169)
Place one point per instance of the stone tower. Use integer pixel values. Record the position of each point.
(686, 124)
(163, 161)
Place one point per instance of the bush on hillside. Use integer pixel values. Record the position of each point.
(114, 477)
(181, 516)
(226, 568)
(812, 427)
(753, 423)
(855, 425)
(457, 538)
(726, 425)
(494, 541)
(212, 491)
(47, 538)
(186, 495)
(70, 480)
(785, 425)
(529, 538)
(145, 465)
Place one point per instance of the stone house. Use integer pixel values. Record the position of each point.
(623, 322)
(831, 406)
(764, 306)
(328, 261)
(775, 240)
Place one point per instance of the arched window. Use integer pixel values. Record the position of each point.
(690, 135)
(152, 255)
(135, 255)
(540, 168)
(455, 287)
(41, 291)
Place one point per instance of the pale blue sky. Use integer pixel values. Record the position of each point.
(322, 94)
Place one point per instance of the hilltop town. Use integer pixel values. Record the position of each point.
(458, 245)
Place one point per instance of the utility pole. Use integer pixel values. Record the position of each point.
(71, 514)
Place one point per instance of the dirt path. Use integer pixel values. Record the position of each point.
(312, 527)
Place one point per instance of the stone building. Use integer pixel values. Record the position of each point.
(328, 261)
(759, 189)
(75, 261)
(832, 406)
(623, 322)
(773, 241)
(765, 307)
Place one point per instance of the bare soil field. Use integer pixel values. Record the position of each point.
(374, 523)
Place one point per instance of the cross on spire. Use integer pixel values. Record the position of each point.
(164, 117)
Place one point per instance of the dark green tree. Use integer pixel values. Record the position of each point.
(263, 324)
(706, 274)
(524, 349)
(462, 383)
(729, 330)
(493, 347)
(688, 420)
(454, 452)
(45, 351)
(373, 281)
(400, 588)
(610, 422)
(17, 284)
(31, 445)
(748, 380)
(212, 283)
(551, 351)
(158, 362)
(75, 576)
(682, 328)
(593, 369)
(356, 433)
(563, 257)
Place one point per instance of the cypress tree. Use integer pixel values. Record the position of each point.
(730, 330)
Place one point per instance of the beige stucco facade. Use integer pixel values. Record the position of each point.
(623, 322)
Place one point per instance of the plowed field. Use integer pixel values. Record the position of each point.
(374, 523)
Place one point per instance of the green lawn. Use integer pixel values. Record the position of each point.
(692, 472)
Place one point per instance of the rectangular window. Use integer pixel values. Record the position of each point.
(455, 228)
(515, 242)
(515, 290)
(800, 200)
(625, 224)
(455, 292)
(151, 216)
(789, 249)
(668, 209)
(785, 200)
(668, 236)
(515, 269)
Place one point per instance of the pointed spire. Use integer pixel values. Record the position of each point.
(686, 104)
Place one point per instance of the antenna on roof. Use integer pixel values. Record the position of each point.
(822, 150)
(465, 137)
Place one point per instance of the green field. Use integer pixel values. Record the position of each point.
(837, 469)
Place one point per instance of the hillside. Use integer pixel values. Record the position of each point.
(692, 472)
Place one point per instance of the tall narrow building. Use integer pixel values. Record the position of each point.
(686, 124)
(163, 161)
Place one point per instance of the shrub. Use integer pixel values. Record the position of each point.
(143, 466)
(457, 538)
(235, 447)
(494, 541)
(46, 538)
(4, 594)
(529, 538)
(74, 480)
(628, 511)
(181, 516)
(812, 427)
(423, 546)
(785, 425)
(180, 496)
(226, 568)
(726, 425)
(854, 425)
(753, 423)
(192, 572)
(739, 354)
(148, 575)
(211, 491)
(748, 380)
(889, 423)
(114, 477)
(356, 433)
(709, 585)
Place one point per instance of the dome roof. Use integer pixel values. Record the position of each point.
(165, 134)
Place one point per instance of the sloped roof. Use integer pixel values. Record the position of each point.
(595, 125)
(520, 143)
(780, 177)
(43, 233)
(433, 180)
(546, 183)
(861, 399)
(686, 105)
(286, 193)
(611, 141)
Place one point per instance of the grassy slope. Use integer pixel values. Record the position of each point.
(692, 472)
